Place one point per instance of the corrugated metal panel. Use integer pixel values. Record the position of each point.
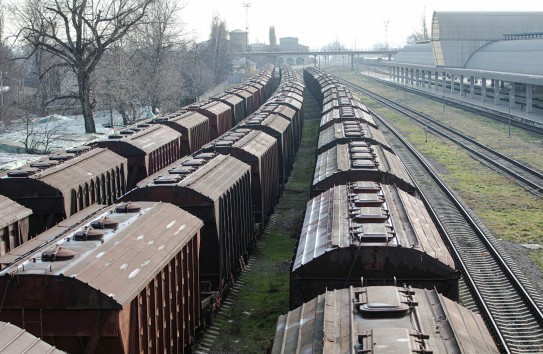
(489, 26)
(216, 177)
(333, 324)
(512, 56)
(216, 107)
(79, 169)
(11, 211)
(189, 120)
(416, 54)
(15, 340)
(152, 138)
(128, 259)
(469, 330)
(256, 143)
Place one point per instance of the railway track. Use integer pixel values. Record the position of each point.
(489, 113)
(505, 299)
(523, 174)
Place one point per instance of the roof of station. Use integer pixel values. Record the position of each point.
(516, 56)
(484, 26)
(418, 53)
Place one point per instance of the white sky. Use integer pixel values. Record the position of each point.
(316, 23)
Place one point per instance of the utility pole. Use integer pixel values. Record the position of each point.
(386, 33)
(246, 5)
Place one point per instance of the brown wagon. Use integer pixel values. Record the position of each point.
(14, 224)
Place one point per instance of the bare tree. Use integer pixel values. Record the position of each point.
(421, 34)
(159, 38)
(217, 49)
(39, 135)
(273, 38)
(78, 32)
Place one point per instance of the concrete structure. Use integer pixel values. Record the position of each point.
(490, 56)
(290, 44)
(238, 40)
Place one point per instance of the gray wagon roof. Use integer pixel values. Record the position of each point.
(11, 211)
(15, 340)
(333, 221)
(127, 259)
(334, 323)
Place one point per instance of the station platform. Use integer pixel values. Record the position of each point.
(516, 113)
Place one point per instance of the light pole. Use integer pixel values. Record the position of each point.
(509, 121)
(246, 5)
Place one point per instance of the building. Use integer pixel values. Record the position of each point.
(496, 56)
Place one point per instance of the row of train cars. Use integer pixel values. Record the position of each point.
(145, 273)
(128, 244)
(371, 272)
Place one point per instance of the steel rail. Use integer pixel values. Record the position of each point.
(516, 169)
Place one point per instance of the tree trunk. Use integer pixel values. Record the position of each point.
(83, 82)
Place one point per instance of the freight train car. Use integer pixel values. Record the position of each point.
(370, 231)
(193, 126)
(64, 183)
(282, 130)
(260, 151)
(382, 319)
(350, 131)
(122, 279)
(148, 148)
(358, 161)
(219, 114)
(14, 224)
(217, 189)
(236, 105)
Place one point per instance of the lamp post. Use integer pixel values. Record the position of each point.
(509, 121)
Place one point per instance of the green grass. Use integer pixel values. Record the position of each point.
(507, 209)
(249, 325)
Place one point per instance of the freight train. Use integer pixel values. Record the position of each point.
(370, 273)
(147, 274)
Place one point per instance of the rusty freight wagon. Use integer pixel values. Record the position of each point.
(193, 126)
(122, 279)
(382, 319)
(357, 161)
(236, 105)
(219, 114)
(260, 151)
(217, 189)
(64, 183)
(350, 131)
(371, 231)
(281, 129)
(253, 102)
(148, 148)
(345, 110)
(14, 224)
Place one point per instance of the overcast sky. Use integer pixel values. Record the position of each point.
(355, 23)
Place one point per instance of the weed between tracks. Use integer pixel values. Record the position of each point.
(507, 209)
(248, 326)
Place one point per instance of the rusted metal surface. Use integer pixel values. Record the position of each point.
(14, 224)
(64, 183)
(217, 189)
(260, 151)
(282, 130)
(248, 100)
(347, 131)
(219, 114)
(135, 288)
(342, 113)
(356, 161)
(193, 126)
(373, 231)
(147, 149)
(255, 94)
(15, 340)
(236, 104)
(382, 319)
